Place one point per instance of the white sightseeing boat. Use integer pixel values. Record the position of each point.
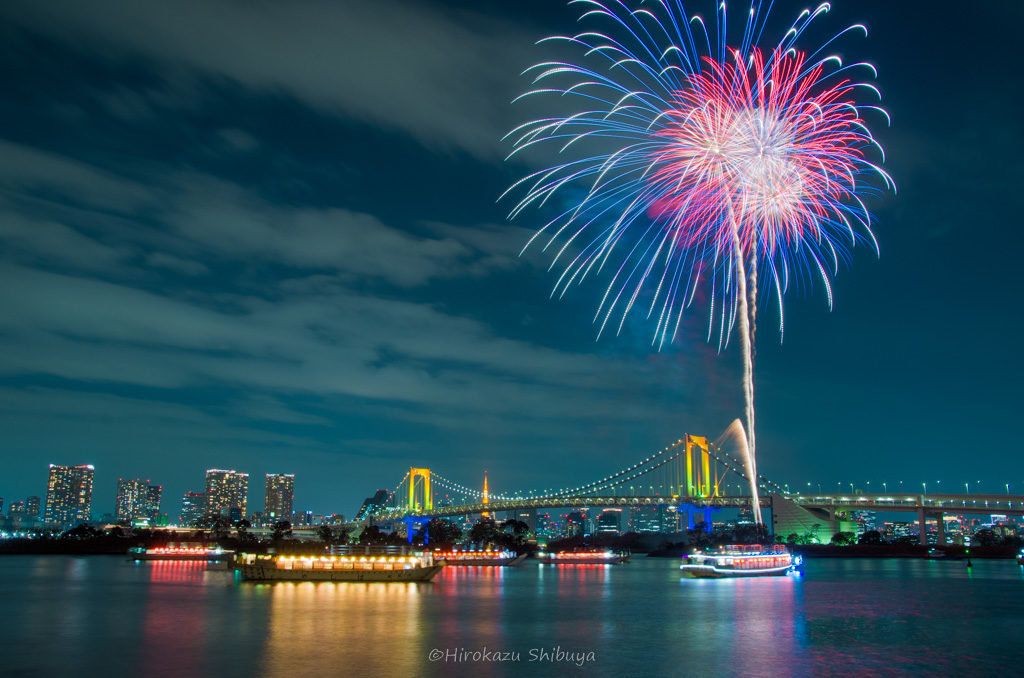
(740, 561)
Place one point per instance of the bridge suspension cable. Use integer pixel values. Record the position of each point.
(687, 481)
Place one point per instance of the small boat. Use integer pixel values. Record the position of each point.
(1020, 557)
(479, 558)
(740, 561)
(183, 551)
(589, 557)
(419, 567)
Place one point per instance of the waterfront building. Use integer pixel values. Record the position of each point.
(528, 516)
(575, 524)
(68, 494)
(647, 519)
(137, 500)
(1, 506)
(609, 521)
(226, 493)
(280, 495)
(865, 520)
(543, 524)
(32, 506)
(301, 518)
(193, 509)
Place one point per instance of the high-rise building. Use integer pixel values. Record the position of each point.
(193, 509)
(1, 506)
(379, 498)
(151, 505)
(226, 493)
(279, 497)
(68, 494)
(16, 509)
(575, 524)
(32, 505)
(137, 500)
(609, 520)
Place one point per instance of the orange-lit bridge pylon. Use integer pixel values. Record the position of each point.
(698, 468)
(419, 501)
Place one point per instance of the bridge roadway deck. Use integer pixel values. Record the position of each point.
(981, 504)
(496, 506)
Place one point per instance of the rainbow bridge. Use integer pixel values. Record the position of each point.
(692, 476)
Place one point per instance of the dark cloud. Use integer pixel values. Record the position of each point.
(403, 65)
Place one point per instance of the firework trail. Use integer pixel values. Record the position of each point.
(687, 161)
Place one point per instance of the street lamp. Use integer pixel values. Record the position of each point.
(885, 488)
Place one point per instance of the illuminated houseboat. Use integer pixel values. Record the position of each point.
(592, 557)
(740, 561)
(479, 558)
(366, 568)
(179, 552)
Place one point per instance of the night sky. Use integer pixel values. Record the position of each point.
(265, 236)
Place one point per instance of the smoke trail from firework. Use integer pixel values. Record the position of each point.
(739, 435)
(730, 167)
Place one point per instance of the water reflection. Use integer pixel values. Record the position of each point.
(174, 571)
(765, 616)
(106, 616)
(451, 587)
(327, 627)
(174, 627)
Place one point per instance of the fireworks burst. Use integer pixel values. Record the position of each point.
(731, 167)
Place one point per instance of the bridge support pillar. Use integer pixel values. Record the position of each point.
(707, 519)
(922, 526)
(411, 523)
(940, 527)
(688, 508)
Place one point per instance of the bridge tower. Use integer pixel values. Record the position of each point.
(424, 475)
(698, 468)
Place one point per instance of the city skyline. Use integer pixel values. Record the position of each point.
(219, 263)
(137, 501)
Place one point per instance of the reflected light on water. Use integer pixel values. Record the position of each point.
(487, 586)
(174, 623)
(765, 615)
(327, 626)
(108, 616)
